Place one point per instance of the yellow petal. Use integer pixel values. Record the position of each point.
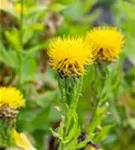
(68, 56)
(22, 141)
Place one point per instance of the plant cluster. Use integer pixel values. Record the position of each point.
(69, 57)
(67, 75)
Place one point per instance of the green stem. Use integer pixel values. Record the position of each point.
(62, 145)
(99, 108)
(70, 88)
(5, 133)
(21, 23)
(21, 42)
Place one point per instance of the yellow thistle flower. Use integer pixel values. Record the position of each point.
(22, 141)
(69, 55)
(11, 97)
(106, 42)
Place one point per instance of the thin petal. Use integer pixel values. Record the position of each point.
(22, 141)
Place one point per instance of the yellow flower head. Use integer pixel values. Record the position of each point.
(19, 7)
(69, 55)
(106, 43)
(11, 97)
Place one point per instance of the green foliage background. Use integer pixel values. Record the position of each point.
(24, 41)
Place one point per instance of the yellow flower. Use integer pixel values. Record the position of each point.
(19, 7)
(11, 97)
(106, 42)
(22, 141)
(69, 55)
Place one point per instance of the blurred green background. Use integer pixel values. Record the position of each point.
(27, 26)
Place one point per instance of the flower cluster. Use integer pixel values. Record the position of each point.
(68, 56)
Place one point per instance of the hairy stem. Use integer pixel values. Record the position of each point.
(70, 88)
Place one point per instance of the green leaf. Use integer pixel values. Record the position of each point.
(11, 12)
(42, 118)
(28, 69)
(27, 35)
(128, 8)
(13, 38)
(57, 7)
(55, 134)
(132, 122)
(9, 57)
(36, 48)
(102, 134)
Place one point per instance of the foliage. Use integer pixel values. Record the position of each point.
(25, 33)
